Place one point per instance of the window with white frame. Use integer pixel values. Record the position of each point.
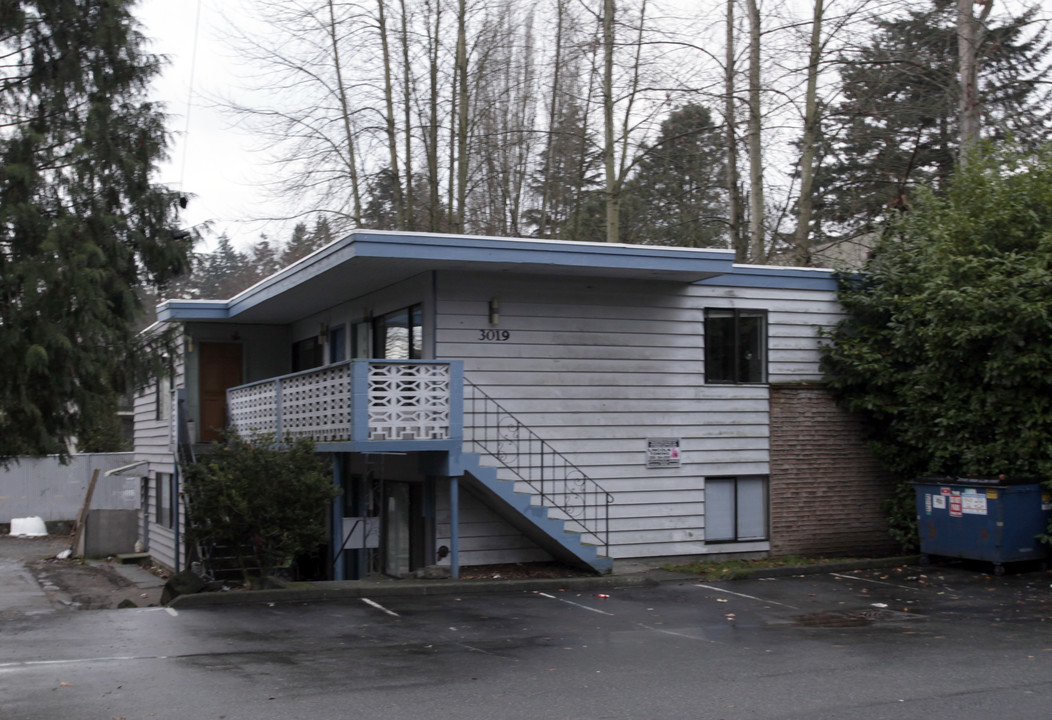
(399, 335)
(163, 402)
(164, 485)
(735, 508)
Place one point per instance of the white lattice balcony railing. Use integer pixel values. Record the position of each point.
(355, 401)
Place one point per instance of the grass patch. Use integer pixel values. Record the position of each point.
(732, 569)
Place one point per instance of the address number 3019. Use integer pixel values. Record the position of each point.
(494, 335)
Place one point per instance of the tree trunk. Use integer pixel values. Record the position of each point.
(462, 118)
(352, 159)
(734, 200)
(756, 203)
(969, 38)
(391, 129)
(553, 113)
(407, 112)
(613, 199)
(802, 236)
(433, 184)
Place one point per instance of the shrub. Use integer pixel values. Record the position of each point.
(264, 503)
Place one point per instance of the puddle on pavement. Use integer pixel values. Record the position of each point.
(852, 618)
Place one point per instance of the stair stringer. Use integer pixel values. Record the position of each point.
(531, 520)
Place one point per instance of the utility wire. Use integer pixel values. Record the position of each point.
(190, 96)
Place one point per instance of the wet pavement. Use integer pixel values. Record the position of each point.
(901, 642)
(34, 582)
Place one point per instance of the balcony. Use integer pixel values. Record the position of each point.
(357, 405)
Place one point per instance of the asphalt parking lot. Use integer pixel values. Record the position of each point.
(899, 642)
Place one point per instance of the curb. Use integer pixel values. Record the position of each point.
(306, 592)
(325, 591)
(831, 567)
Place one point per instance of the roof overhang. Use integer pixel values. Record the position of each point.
(365, 261)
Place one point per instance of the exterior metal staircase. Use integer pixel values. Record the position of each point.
(536, 488)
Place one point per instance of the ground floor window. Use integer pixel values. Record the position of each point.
(163, 487)
(735, 508)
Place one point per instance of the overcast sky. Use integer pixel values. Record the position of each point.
(209, 158)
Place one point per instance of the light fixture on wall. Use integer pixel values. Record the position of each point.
(189, 340)
(494, 311)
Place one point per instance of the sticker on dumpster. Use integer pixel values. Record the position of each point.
(944, 491)
(955, 505)
(973, 504)
(991, 494)
(1046, 502)
(927, 503)
(939, 502)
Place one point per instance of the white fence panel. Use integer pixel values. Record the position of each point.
(43, 487)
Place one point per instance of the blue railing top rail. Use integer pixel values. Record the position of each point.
(342, 363)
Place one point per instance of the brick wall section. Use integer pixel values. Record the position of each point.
(826, 487)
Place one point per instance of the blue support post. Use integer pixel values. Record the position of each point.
(454, 527)
(456, 400)
(360, 400)
(337, 560)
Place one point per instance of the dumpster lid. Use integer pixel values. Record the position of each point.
(977, 481)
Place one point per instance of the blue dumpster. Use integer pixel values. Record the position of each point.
(995, 520)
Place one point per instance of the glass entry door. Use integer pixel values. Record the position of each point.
(397, 531)
(406, 527)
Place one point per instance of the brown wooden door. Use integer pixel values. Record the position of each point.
(219, 368)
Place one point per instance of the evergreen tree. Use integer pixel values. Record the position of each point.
(677, 188)
(81, 224)
(224, 272)
(568, 170)
(897, 126)
(263, 259)
(945, 347)
(303, 243)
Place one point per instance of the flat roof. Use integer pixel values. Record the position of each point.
(367, 260)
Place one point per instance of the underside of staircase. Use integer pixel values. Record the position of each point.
(525, 512)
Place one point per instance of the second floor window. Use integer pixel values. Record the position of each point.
(735, 346)
(399, 335)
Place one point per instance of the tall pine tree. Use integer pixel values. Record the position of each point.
(677, 189)
(81, 224)
(897, 125)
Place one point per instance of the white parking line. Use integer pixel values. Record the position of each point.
(571, 602)
(743, 595)
(875, 582)
(76, 661)
(378, 606)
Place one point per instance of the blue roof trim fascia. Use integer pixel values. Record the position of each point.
(193, 310)
(540, 252)
(458, 248)
(745, 276)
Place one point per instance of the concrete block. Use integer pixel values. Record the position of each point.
(109, 532)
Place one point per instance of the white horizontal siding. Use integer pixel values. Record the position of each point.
(153, 444)
(595, 367)
(484, 537)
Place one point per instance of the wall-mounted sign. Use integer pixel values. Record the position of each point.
(663, 452)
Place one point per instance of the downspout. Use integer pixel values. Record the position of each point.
(176, 519)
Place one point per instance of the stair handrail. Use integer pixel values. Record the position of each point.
(556, 480)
